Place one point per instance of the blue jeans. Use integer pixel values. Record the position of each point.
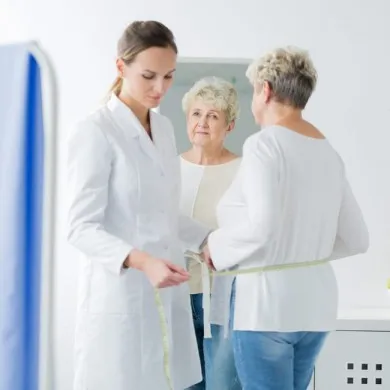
(275, 360)
(216, 354)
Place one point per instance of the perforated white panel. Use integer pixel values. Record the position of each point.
(354, 360)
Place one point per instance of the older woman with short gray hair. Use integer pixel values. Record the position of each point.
(289, 211)
(207, 170)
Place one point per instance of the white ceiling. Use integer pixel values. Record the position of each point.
(189, 72)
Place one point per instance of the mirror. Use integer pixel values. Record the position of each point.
(191, 70)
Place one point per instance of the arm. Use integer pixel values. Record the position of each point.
(352, 235)
(231, 245)
(192, 234)
(89, 166)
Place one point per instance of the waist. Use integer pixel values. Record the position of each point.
(253, 269)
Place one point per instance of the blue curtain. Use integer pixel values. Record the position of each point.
(21, 197)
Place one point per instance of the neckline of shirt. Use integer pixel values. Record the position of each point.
(211, 165)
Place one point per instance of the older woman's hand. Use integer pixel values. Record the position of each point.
(207, 258)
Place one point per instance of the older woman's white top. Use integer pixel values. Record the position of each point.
(289, 203)
(202, 186)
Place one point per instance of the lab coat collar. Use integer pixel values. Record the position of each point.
(129, 123)
(123, 116)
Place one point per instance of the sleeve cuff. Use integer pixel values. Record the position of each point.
(117, 264)
(216, 252)
(202, 242)
(205, 241)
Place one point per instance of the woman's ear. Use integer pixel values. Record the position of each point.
(120, 66)
(267, 91)
(231, 126)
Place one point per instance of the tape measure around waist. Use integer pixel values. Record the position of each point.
(206, 274)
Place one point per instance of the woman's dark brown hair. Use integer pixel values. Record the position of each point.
(140, 36)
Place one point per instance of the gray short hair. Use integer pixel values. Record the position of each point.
(290, 73)
(217, 92)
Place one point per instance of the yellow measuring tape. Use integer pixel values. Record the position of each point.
(206, 274)
(165, 337)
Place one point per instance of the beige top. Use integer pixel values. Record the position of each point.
(202, 188)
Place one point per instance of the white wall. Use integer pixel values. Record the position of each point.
(348, 42)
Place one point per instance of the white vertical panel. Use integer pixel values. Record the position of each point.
(50, 101)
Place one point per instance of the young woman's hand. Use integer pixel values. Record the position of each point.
(160, 272)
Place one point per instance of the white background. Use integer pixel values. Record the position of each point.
(348, 40)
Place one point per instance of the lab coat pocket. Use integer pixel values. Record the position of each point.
(114, 348)
(114, 294)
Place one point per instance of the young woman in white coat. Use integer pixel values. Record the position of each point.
(124, 218)
(289, 204)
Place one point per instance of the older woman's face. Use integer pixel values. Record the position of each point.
(207, 126)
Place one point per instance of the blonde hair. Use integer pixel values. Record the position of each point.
(216, 92)
(140, 36)
(289, 72)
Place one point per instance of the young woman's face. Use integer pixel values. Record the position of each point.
(149, 76)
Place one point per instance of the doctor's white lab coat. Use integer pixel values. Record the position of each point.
(124, 194)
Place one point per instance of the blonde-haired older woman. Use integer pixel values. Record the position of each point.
(289, 207)
(207, 169)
